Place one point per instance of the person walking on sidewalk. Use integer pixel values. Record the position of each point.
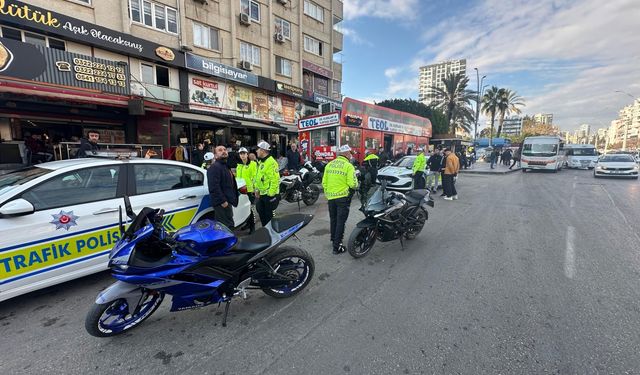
(246, 170)
(222, 188)
(516, 158)
(433, 164)
(450, 171)
(339, 183)
(419, 166)
(267, 184)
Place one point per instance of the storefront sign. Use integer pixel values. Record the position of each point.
(322, 121)
(317, 69)
(214, 68)
(394, 127)
(321, 85)
(19, 14)
(48, 65)
(321, 99)
(324, 153)
(283, 88)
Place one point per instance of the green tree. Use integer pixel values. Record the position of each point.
(437, 118)
(490, 102)
(455, 101)
(508, 103)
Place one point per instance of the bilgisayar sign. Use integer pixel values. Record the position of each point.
(25, 16)
(214, 68)
(48, 65)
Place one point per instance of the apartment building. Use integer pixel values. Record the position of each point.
(543, 118)
(512, 125)
(432, 75)
(169, 71)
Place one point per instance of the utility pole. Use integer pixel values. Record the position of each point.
(479, 82)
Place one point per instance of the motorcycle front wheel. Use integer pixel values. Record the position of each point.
(361, 241)
(311, 195)
(295, 267)
(113, 318)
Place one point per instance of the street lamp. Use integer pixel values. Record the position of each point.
(626, 123)
(479, 82)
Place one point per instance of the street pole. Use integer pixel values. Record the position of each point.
(479, 83)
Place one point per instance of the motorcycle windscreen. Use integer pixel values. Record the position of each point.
(376, 200)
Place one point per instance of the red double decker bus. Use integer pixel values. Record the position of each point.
(363, 126)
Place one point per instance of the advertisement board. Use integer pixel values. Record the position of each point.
(324, 153)
(214, 68)
(320, 121)
(384, 119)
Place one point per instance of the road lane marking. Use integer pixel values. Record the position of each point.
(572, 203)
(570, 255)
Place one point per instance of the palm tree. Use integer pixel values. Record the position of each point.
(455, 101)
(490, 103)
(508, 104)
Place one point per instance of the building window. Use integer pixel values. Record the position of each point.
(31, 38)
(158, 16)
(283, 27)
(249, 52)
(250, 8)
(314, 10)
(283, 66)
(205, 37)
(312, 45)
(155, 74)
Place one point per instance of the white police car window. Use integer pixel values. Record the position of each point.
(81, 186)
(151, 178)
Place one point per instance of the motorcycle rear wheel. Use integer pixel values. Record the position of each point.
(311, 196)
(295, 264)
(361, 242)
(416, 227)
(113, 318)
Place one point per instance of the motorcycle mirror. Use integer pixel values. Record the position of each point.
(128, 209)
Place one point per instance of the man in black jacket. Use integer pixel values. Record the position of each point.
(89, 145)
(223, 189)
(434, 164)
(293, 158)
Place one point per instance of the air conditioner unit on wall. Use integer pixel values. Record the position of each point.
(246, 65)
(245, 19)
(279, 37)
(283, 2)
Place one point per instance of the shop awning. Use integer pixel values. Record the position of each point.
(252, 124)
(289, 128)
(200, 118)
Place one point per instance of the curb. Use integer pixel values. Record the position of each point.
(489, 172)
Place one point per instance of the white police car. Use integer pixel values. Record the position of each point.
(58, 220)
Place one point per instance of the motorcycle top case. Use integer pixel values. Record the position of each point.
(207, 237)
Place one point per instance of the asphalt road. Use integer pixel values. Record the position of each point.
(526, 273)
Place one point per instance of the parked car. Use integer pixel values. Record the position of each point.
(399, 175)
(58, 220)
(616, 165)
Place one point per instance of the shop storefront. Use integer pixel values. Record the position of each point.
(363, 126)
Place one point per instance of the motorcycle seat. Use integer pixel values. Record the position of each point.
(415, 196)
(282, 223)
(253, 243)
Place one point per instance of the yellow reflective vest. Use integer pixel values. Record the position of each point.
(420, 163)
(339, 177)
(247, 172)
(267, 180)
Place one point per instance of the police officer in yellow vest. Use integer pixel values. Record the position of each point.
(339, 182)
(267, 184)
(247, 170)
(419, 166)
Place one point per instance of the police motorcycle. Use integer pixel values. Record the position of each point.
(389, 216)
(198, 265)
(299, 186)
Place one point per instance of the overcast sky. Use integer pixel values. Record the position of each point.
(566, 57)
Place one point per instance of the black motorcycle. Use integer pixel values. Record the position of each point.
(389, 216)
(296, 186)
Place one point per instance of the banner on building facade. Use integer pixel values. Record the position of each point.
(320, 121)
(37, 63)
(286, 89)
(232, 99)
(21, 15)
(317, 69)
(393, 127)
(214, 68)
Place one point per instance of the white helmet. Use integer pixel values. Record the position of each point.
(208, 156)
(264, 145)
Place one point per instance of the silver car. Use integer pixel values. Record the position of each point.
(399, 175)
(616, 165)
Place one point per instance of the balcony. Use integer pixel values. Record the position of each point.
(337, 8)
(155, 92)
(337, 41)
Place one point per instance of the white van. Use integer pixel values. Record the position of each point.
(581, 156)
(542, 152)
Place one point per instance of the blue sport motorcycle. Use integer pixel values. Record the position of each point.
(198, 265)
